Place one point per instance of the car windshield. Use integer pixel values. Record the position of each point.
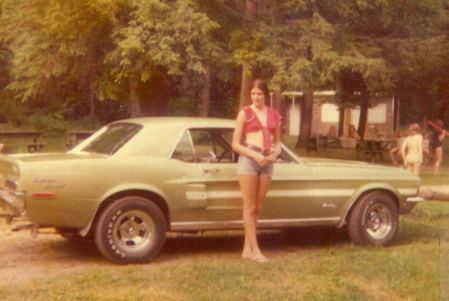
(115, 136)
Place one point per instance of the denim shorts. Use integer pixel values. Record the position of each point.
(247, 166)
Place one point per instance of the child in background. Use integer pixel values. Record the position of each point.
(412, 149)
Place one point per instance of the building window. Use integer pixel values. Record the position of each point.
(329, 113)
(376, 115)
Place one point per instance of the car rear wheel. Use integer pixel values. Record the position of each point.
(130, 230)
(374, 219)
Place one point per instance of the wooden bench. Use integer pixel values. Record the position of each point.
(10, 138)
(369, 150)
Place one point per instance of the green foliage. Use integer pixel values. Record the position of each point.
(47, 123)
(173, 35)
(59, 55)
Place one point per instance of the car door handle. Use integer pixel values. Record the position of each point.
(211, 170)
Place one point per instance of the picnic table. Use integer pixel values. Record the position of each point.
(34, 144)
(75, 137)
(371, 149)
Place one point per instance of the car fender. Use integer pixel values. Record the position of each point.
(364, 189)
(117, 189)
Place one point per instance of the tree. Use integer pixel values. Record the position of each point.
(154, 35)
(57, 46)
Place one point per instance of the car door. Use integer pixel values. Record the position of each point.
(217, 164)
(290, 201)
(208, 180)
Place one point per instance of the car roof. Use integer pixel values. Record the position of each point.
(181, 122)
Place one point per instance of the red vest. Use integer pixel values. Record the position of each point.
(253, 124)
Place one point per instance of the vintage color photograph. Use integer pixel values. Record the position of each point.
(224, 150)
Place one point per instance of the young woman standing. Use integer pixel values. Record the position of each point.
(257, 140)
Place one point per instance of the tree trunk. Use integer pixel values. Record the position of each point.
(363, 118)
(306, 119)
(135, 108)
(341, 121)
(245, 87)
(277, 104)
(205, 94)
(397, 114)
(94, 73)
(92, 98)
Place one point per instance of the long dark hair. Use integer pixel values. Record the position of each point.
(262, 85)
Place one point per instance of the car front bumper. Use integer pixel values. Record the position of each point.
(12, 203)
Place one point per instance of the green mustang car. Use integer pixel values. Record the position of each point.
(134, 180)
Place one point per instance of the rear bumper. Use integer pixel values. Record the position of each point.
(12, 203)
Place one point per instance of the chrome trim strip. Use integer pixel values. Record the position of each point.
(288, 193)
(238, 224)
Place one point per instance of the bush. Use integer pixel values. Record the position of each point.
(47, 123)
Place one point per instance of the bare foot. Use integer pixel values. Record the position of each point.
(260, 258)
(247, 255)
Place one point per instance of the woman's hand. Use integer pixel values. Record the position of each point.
(272, 157)
(261, 159)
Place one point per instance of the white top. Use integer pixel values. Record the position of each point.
(412, 149)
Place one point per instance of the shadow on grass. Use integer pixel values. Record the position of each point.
(223, 242)
(275, 240)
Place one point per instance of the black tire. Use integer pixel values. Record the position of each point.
(130, 230)
(374, 219)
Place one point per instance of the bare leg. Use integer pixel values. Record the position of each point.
(438, 157)
(415, 168)
(248, 186)
(262, 187)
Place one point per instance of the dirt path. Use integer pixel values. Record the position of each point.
(24, 258)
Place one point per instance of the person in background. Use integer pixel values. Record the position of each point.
(352, 132)
(395, 152)
(257, 140)
(412, 149)
(437, 146)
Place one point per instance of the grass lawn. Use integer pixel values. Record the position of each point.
(306, 264)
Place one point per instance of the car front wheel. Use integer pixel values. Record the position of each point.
(374, 219)
(130, 230)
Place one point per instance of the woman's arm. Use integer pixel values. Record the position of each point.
(277, 142)
(442, 135)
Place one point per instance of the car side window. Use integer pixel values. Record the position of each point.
(205, 145)
(210, 146)
(184, 149)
